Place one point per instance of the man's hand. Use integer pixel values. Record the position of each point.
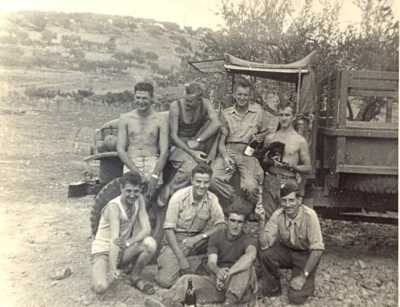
(151, 187)
(259, 137)
(229, 163)
(121, 243)
(115, 274)
(191, 242)
(298, 282)
(260, 212)
(193, 144)
(199, 156)
(183, 263)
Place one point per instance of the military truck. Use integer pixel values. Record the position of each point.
(349, 118)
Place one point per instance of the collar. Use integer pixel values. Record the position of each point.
(297, 220)
(191, 199)
(251, 109)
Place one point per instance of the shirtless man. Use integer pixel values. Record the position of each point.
(193, 121)
(294, 162)
(143, 138)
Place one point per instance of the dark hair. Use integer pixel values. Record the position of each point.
(284, 103)
(238, 212)
(133, 178)
(193, 88)
(202, 168)
(242, 82)
(145, 87)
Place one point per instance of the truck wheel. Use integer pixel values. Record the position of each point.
(378, 184)
(107, 193)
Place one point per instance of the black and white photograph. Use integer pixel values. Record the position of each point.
(188, 153)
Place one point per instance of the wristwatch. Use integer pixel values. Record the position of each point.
(306, 274)
(204, 236)
(198, 140)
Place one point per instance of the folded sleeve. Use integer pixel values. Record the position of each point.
(270, 231)
(171, 217)
(217, 214)
(314, 232)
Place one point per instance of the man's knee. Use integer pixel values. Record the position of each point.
(296, 297)
(100, 286)
(165, 280)
(149, 245)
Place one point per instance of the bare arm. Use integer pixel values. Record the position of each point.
(123, 143)
(212, 263)
(112, 212)
(213, 125)
(305, 161)
(143, 220)
(313, 259)
(163, 144)
(173, 243)
(245, 261)
(173, 121)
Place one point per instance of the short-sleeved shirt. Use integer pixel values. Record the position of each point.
(186, 216)
(301, 233)
(238, 128)
(229, 251)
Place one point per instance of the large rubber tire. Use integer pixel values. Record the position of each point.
(378, 184)
(107, 193)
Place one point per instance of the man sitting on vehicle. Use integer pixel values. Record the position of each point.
(193, 121)
(143, 138)
(123, 235)
(190, 211)
(231, 279)
(242, 123)
(288, 166)
(291, 239)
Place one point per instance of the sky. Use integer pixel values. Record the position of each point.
(195, 13)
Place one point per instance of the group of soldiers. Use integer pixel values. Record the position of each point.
(194, 164)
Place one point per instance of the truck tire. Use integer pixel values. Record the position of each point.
(107, 193)
(377, 184)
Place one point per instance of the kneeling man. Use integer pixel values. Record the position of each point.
(123, 235)
(291, 239)
(231, 279)
(193, 214)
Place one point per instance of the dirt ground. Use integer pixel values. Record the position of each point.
(43, 232)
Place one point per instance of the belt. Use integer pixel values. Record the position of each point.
(273, 170)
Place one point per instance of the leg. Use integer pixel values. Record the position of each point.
(242, 286)
(99, 273)
(149, 246)
(271, 194)
(220, 182)
(299, 262)
(205, 287)
(271, 260)
(168, 267)
(251, 176)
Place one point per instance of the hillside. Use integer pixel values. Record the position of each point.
(100, 53)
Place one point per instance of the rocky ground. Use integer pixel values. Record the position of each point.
(45, 236)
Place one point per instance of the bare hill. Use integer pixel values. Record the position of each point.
(69, 51)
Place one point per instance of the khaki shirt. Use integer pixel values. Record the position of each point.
(184, 215)
(238, 128)
(302, 233)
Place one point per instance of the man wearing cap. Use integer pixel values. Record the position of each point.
(193, 215)
(193, 122)
(230, 278)
(291, 239)
(293, 162)
(242, 123)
